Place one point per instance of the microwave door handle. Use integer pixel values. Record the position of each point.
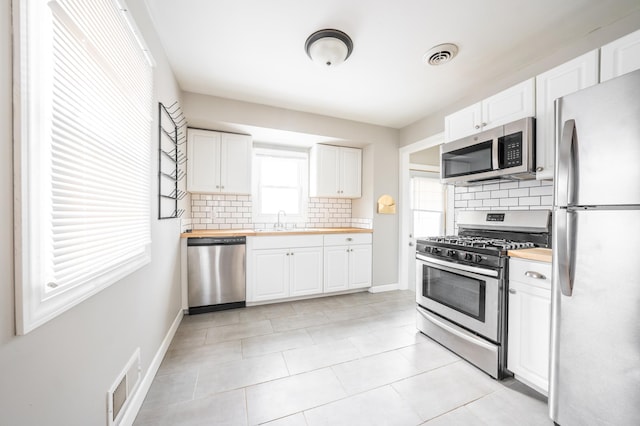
(494, 154)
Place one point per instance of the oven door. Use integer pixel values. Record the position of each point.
(466, 295)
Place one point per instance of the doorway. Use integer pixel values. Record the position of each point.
(420, 168)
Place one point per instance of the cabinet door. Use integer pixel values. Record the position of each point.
(306, 271)
(620, 56)
(336, 268)
(529, 334)
(271, 274)
(203, 154)
(509, 105)
(325, 172)
(463, 123)
(567, 78)
(350, 172)
(360, 266)
(235, 163)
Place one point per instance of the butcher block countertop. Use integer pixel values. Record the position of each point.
(538, 253)
(203, 233)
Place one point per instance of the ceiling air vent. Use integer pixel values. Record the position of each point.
(440, 54)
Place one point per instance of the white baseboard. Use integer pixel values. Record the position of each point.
(138, 398)
(385, 287)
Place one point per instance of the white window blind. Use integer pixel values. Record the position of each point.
(427, 203)
(84, 142)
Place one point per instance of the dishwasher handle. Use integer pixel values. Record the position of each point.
(207, 241)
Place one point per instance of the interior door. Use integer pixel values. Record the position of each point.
(427, 200)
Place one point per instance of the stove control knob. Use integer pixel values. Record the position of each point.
(468, 256)
(435, 250)
(451, 253)
(477, 258)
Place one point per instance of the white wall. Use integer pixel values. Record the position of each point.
(59, 373)
(380, 159)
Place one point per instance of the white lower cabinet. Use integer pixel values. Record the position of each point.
(281, 267)
(347, 262)
(529, 322)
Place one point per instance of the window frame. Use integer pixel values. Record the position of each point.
(303, 185)
(37, 302)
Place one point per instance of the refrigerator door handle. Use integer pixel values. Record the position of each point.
(565, 162)
(565, 244)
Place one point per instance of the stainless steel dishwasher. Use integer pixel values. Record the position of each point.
(216, 273)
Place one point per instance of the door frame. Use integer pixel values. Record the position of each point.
(404, 206)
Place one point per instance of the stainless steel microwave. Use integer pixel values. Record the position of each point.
(506, 152)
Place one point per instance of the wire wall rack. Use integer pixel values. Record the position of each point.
(171, 159)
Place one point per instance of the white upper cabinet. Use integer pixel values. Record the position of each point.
(509, 105)
(620, 56)
(335, 172)
(562, 80)
(218, 162)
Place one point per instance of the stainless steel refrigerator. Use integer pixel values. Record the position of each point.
(595, 325)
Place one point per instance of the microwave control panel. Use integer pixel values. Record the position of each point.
(510, 150)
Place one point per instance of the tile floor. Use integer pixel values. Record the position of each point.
(353, 359)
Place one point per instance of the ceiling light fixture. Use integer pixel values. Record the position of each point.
(328, 47)
(440, 54)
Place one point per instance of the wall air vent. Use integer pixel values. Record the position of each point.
(122, 390)
(440, 54)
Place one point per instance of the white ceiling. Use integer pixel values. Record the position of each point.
(253, 50)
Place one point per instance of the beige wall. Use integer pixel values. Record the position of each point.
(380, 159)
(59, 373)
(434, 123)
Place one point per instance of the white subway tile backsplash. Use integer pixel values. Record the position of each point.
(500, 194)
(508, 185)
(521, 192)
(235, 211)
(517, 195)
(541, 190)
(529, 201)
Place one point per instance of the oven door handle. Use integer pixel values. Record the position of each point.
(465, 336)
(458, 266)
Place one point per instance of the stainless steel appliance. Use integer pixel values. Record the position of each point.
(461, 282)
(595, 323)
(216, 273)
(504, 152)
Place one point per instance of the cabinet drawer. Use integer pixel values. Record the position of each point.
(346, 239)
(530, 272)
(286, 241)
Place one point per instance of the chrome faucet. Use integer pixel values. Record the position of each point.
(279, 224)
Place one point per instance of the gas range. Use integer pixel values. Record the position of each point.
(485, 237)
(462, 282)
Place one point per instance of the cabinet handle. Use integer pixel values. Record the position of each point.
(349, 239)
(539, 169)
(477, 126)
(536, 275)
(512, 291)
(288, 254)
(484, 124)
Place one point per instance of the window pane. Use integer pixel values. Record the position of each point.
(427, 224)
(426, 194)
(276, 199)
(278, 171)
